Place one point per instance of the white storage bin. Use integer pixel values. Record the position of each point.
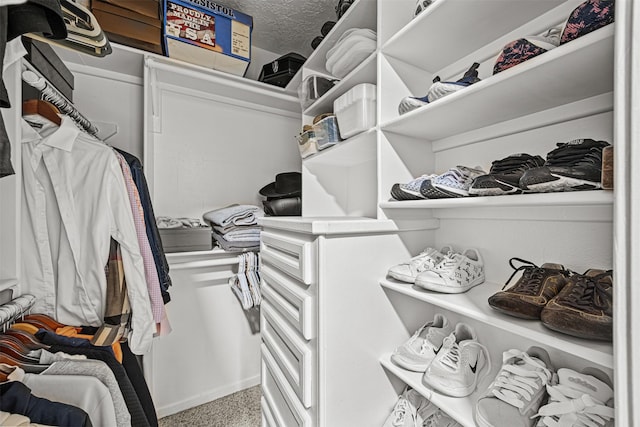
(326, 132)
(307, 143)
(356, 110)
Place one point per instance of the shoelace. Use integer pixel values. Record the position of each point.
(589, 292)
(427, 339)
(533, 275)
(516, 385)
(400, 412)
(453, 356)
(573, 408)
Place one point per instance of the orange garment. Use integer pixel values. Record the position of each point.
(74, 332)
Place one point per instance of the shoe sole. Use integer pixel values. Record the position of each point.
(402, 277)
(452, 192)
(400, 194)
(445, 289)
(563, 183)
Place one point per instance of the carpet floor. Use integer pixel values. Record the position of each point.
(241, 409)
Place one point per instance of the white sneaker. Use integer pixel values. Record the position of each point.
(515, 395)
(416, 354)
(456, 273)
(578, 400)
(440, 419)
(457, 181)
(455, 371)
(410, 190)
(426, 260)
(405, 413)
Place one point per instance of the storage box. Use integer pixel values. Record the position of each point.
(326, 132)
(307, 143)
(356, 110)
(150, 8)
(208, 34)
(607, 168)
(312, 88)
(48, 63)
(281, 71)
(186, 239)
(126, 26)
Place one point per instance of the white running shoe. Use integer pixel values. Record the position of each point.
(455, 371)
(410, 190)
(406, 412)
(455, 274)
(578, 400)
(426, 260)
(416, 354)
(515, 395)
(457, 181)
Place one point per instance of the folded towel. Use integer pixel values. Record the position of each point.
(240, 246)
(232, 227)
(235, 214)
(242, 235)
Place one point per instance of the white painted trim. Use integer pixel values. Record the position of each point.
(105, 74)
(212, 395)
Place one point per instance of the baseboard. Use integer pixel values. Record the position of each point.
(207, 397)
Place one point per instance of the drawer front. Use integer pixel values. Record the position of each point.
(292, 354)
(291, 255)
(267, 414)
(286, 409)
(289, 299)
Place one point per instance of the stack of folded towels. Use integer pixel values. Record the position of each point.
(235, 228)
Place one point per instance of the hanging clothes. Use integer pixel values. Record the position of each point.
(75, 201)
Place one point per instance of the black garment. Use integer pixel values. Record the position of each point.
(34, 16)
(136, 376)
(16, 398)
(153, 234)
(138, 416)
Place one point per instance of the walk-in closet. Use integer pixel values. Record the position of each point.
(335, 213)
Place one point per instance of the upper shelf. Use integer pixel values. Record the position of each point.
(473, 304)
(486, 21)
(361, 14)
(363, 73)
(541, 83)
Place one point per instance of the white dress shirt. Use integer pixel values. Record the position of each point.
(74, 201)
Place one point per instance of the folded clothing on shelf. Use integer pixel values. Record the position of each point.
(234, 215)
(235, 245)
(350, 50)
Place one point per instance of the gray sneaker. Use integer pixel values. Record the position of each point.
(416, 354)
(405, 413)
(517, 392)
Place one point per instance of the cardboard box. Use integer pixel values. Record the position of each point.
(48, 63)
(186, 239)
(125, 26)
(205, 33)
(149, 8)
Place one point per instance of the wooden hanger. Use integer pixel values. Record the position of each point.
(52, 323)
(27, 339)
(37, 107)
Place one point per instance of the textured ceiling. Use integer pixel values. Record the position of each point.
(284, 26)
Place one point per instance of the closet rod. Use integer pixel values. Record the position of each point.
(49, 93)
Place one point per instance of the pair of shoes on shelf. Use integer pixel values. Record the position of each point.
(451, 358)
(527, 387)
(580, 305)
(453, 183)
(573, 165)
(414, 410)
(442, 270)
(440, 89)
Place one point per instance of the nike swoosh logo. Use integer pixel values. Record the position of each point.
(474, 367)
(437, 350)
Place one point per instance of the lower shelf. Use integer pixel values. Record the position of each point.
(473, 304)
(459, 408)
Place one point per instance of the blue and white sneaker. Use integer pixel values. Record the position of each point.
(453, 183)
(410, 190)
(440, 89)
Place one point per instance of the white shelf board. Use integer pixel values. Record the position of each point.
(363, 73)
(559, 199)
(334, 225)
(8, 283)
(358, 149)
(459, 408)
(473, 304)
(361, 14)
(541, 83)
(485, 21)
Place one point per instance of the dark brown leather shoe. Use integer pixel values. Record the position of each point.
(531, 293)
(584, 307)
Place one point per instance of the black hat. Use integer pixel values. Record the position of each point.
(37, 16)
(287, 184)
